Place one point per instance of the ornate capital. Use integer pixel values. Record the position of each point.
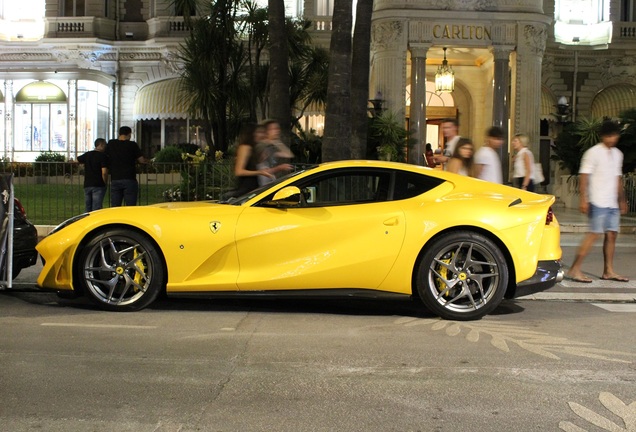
(501, 52)
(535, 37)
(386, 35)
(419, 50)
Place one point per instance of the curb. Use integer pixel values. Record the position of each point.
(582, 297)
(582, 228)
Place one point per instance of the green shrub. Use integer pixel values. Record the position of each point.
(52, 164)
(388, 137)
(169, 154)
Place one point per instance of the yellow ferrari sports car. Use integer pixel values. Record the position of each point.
(349, 228)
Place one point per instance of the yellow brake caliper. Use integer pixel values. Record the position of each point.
(138, 274)
(443, 272)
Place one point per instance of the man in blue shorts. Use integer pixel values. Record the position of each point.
(603, 200)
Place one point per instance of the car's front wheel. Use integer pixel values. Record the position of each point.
(462, 276)
(120, 269)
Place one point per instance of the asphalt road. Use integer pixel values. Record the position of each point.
(354, 365)
(210, 365)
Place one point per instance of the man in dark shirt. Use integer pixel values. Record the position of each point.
(123, 155)
(95, 175)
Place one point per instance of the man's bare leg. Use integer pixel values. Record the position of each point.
(575, 272)
(609, 246)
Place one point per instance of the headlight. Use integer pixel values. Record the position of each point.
(67, 222)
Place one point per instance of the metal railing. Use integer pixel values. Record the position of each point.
(629, 184)
(51, 192)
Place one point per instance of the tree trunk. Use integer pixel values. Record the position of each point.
(360, 81)
(279, 99)
(337, 134)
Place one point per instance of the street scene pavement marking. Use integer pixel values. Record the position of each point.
(507, 336)
(598, 283)
(606, 418)
(617, 307)
(582, 296)
(108, 326)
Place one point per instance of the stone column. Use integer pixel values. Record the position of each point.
(388, 63)
(500, 102)
(71, 147)
(530, 49)
(9, 107)
(417, 115)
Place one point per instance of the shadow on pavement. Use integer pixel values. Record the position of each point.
(329, 306)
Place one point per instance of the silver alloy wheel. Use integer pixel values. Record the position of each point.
(117, 270)
(463, 276)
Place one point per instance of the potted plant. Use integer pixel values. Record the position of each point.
(388, 137)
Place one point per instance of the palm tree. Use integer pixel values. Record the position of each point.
(338, 113)
(279, 99)
(360, 85)
(308, 79)
(254, 30)
(213, 58)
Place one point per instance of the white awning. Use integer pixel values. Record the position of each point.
(613, 100)
(548, 105)
(160, 100)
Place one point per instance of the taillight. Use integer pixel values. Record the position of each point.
(549, 217)
(19, 208)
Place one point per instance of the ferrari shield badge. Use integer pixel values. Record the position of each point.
(215, 226)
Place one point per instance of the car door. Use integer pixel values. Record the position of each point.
(347, 235)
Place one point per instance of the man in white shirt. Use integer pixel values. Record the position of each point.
(602, 198)
(450, 130)
(487, 161)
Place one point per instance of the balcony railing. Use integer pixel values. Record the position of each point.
(167, 27)
(79, 27)
(624, 32)
(94, 27)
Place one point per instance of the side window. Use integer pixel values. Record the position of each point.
(409, 185)
(347, 188)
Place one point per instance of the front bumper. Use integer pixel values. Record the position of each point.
(548, 274)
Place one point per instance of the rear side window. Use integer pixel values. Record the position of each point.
(409, 185)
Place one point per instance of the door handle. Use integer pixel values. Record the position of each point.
(392, 221)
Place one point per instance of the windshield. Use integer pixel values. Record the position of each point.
(251, 194)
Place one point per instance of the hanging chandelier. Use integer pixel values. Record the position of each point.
(445, 77)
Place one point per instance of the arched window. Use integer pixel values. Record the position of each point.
(40, 118)
(433, 98)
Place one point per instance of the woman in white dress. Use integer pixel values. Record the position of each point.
(522, 163)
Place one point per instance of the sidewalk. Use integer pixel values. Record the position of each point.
(573, 225)
(573, 221)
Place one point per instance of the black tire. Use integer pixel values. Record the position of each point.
(120, 270)
(462, 276)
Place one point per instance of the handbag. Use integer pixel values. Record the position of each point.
(538, 173)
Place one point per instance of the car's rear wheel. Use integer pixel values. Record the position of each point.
(121, 270)
(462, 276)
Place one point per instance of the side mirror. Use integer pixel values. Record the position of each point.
(289, 196)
